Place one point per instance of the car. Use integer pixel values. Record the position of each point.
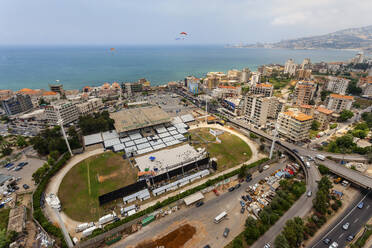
(334, 245)
(346, 226)
(10, 167)
(207, 246)
(242, 210)
(199, 204)
(237, 186)
(295, 150)
(18, 168)
(242, 204)
(18, 178)
(16, 187)
(267, 245)
(360, 205)
(326, 241)
(231, 189)
(25, 186)
(244, 198)
(350, 238)
(226, 232)
(309, 193)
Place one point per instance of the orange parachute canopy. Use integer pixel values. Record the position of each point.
(184, 33)
(112, 49)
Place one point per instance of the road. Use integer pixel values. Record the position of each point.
(355, 216)
(204, 215)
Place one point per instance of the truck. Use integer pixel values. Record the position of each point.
(89, 231)
(220, 217)
(337, 180)
(83, 226)
(107, 218)
(320, 157)
(147, 220)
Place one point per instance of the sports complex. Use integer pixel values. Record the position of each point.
(140, 163)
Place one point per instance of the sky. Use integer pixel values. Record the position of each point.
(149, 22)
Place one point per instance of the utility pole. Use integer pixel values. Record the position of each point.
(206, 109)
(275, 133)
(60, 123)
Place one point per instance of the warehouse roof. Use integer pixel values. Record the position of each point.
(131, 119)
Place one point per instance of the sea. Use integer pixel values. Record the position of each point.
(77, 66)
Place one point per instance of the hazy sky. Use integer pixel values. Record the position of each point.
(160, 21)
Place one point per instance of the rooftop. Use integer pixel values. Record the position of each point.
(264, 85)
(131, 119)
(306, 106)
(342, 97)
(298, 115)
(324, 110)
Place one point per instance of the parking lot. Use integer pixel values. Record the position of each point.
(25, 173)
(202, 218)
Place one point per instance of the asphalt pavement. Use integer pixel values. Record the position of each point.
(355, 216)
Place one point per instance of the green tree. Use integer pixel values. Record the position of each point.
(353, 89)
(21, 141)
(251, 232)
(237, 242)
(345, 115)
(315, 125)
(294, 231)
(3, 239)
(281, 242)
(322, 169)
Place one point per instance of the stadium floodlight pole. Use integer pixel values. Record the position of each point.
(206, 110)
(60, 123)
(275, 133)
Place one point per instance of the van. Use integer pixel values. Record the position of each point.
(309, 193)
(307, 164)
(321, 157)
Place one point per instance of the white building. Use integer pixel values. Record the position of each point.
(290, 67)
(294, 125)
(90, 106)
(337, 84)
(264, 89)
(245, 75)
(255, 79)
(67, 111)
(338, 102)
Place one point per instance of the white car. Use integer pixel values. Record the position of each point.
(267, 245)
(346, 226)
(333, 245)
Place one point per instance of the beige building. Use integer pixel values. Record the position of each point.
(67, 111)
(290, 67)
(323, 116)
(338, 102)
(258, 108)
(303, 92)
(337, 84)
(304, 74)
(307, 109)
(294, 125)
(90, 106)
(262, 89)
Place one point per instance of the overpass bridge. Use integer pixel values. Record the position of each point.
(349, 174)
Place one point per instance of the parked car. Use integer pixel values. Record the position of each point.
(207, 246)
(267, 245)
(242, 210)
(360, 205)
(199, 204)
(346, 226)
(237, 186)
(231, 189)
(309, 193)
(242, 204)
(326, 241)
(25, 186)
(226, 232)
(350, 238)
(334, 245)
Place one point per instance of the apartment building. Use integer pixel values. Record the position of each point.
(323, 116)
(337, 85)
(223, 91)
(365, 83)
(66, 110)
(294, 125)
(258, 108)
(90, 106)
(17, 104)
(290, 67)
(338, 102)
(130, 88)
(303, 74)
(57, 88)
(303, 92)
(262, 89)
(306, 109)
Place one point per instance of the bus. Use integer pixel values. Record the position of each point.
(220, 217)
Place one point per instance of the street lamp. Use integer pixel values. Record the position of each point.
(275, 133)
(60, 123)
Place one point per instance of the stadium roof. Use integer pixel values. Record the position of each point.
(131, 119)
(93, 139)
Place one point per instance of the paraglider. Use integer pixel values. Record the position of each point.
(183, 33)
(182, 36)
(112, 49)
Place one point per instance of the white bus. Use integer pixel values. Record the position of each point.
(220, 217)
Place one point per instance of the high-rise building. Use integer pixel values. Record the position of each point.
(294, 125)
(338, 102)
(306, 64)
(304, 74)
(264, 89)
(258, 108)
(290, 67)
(323, 116)
(67, 111)
(337, 84)
(17, 104)
(304, 92)
(256, 78)
(57, 88)
(245, 75)
(90, 106)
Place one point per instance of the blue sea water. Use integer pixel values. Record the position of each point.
(76, 67)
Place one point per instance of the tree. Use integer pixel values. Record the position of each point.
(262, 147)
(281, 242)
(294, 231)
(353, 89)
(367, 117)
(345, 115)
(6, 151)
(237, 242)
(21, 142)
(315, 125)
(3, 239)
(324, 94)
(322, 169)
(251, 232)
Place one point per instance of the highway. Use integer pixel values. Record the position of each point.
(342, 171)
(355, 216)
